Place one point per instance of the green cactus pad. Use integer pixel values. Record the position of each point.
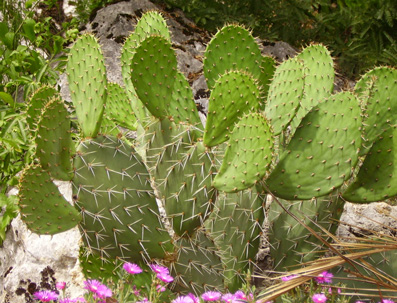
(182, 107)
(285, 93)
(43, 208)
(37, 102)
(377, 177)
(268, 69)
(151, 23)
(234, 94)
(232, 48)
(118, 107)
(236, 227)
(378, 90)
(197, 267)
(248, 154)
(154, 70)
(87, 83)
(322, 152)
(182, 171)
(319, 79)
(95, 267)
(53, 140)
(290, 242)
(112, 190)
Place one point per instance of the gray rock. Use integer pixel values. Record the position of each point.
(359, 220)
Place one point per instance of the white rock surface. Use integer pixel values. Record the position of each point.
(25, 255)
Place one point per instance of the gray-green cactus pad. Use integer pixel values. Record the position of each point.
(197, 266)
(182, 171)
(236, 227)
(290, 242)
(120, 214)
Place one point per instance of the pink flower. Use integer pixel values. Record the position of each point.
(103, 292)
(319, 298)
(211, 296)
(158, 269)
(45, 295)
(386, 301)
(240, 295)
(160, 288)
(132, 268)
(165, 277)
(60, 285)
(92, 285)
(183, 299)
(287, 278)
(77, 300)
(324, 277)
(230, 298)
(193, 297)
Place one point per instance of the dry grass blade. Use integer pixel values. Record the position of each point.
(314, 269)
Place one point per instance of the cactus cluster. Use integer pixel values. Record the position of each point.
(270, 128)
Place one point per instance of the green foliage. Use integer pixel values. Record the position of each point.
(359, 33)
(8, 211)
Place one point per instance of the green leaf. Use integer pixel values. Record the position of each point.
(28, 29)
(7, 98)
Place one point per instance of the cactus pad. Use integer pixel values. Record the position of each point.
(197, 267)
(377, 177)
(154, 69)
(234, 94)
(182, 107)
(43, 207)
(378, 90)
(37, 103)
(151, 23)
(236, 227)
(232, 48)
(322, 152)
(285, 93)
(290, 242)
(248, 154)
(113, 192)
(87, 83)
(53, 140)
(182, 171)
(118, 107)
(319, 79)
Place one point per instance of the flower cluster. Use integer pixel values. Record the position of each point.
(212, 296)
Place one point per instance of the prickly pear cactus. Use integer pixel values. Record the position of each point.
(190, 196)
(87, 83)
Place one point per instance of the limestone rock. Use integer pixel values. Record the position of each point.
(30, 262)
